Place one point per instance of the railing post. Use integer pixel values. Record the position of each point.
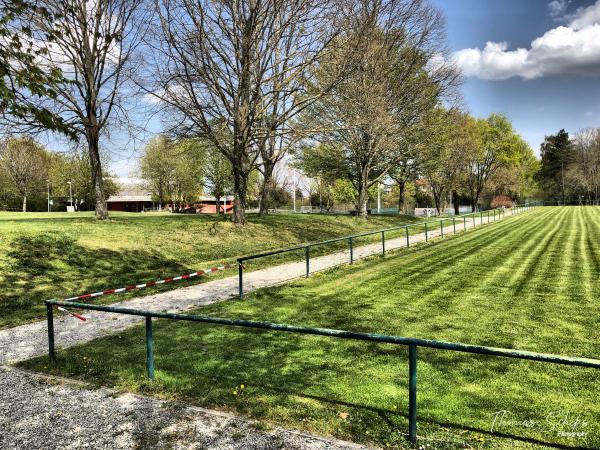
(149, 348)
(426, 232)
(465, 223)
(241, 279)
(407, 237)
(383, 242)
(307, 250)
(481, 218)
(412, 392)
(351, 250)
(454, 224)
(51, 349)
(488, 216)
(442, 228)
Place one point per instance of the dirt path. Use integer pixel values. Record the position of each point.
(25, 341)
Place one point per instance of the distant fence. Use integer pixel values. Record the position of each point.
(412, 343)
(495, 213)
(570, 202)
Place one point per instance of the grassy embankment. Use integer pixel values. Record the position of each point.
(52, 255)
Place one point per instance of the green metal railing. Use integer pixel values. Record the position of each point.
(496, 213)
(412, 343)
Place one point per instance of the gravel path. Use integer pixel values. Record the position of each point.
(26, 341)
(52, 413)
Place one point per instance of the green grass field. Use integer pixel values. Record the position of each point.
(45, 255)
(528, 282)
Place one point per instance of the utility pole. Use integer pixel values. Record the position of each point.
(70, 193)
(294, 187)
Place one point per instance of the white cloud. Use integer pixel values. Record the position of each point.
(558, 8)
(573, 49)
(585, 17)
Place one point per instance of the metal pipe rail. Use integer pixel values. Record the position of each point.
(306, 247)
(412, 343)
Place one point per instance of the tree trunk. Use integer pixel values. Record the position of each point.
(96, 171)
(218, 204)
(240, 187)
(363, 192)
(265, 190)
(455, 202)
(401, 187)
(437, 198)
(25, 203)
(473, 202)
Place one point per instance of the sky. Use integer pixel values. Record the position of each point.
(537, 61)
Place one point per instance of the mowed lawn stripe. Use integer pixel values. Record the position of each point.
(503, 285)
(436, 260)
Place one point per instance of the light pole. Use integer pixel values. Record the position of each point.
(70, 192)
(48, 185)
(294, 187)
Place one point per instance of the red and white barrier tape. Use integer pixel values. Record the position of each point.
(78, 316)
(150, 283)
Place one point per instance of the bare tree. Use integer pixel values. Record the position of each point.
(93, 42)
(584, 170)
(235, 72)
(399, 74)
(25, 162)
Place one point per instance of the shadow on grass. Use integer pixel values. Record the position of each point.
(46, 265)
(292, 380)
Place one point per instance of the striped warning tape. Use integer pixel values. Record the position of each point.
(78, 316)
(151, 283)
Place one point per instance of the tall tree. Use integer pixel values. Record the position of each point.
(237, 68)
(189, 170)
(442, 155)
(557, 154)
(496, 144)
(584, 168)
(397, 76)
(26, 163)
(157, 167)
(93, 43)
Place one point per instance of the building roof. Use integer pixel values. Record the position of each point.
(133, 190)
(129, 198)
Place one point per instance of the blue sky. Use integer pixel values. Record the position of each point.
(542, 69)
(566, 94)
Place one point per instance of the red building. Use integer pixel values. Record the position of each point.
(133, 197)
(207, 205)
